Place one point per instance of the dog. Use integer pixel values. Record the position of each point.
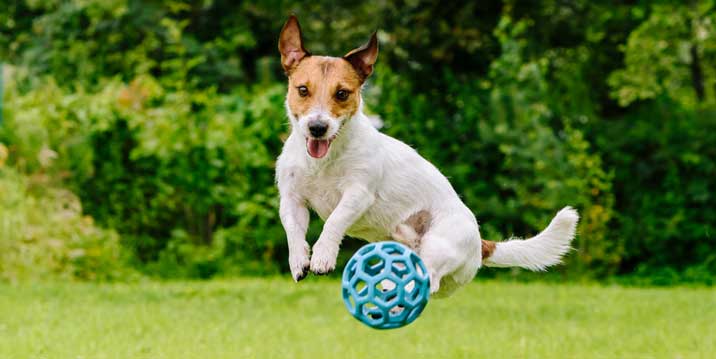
(368, 185)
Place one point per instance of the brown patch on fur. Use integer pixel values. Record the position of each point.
(488, 247)
(324, 76)
(411, 231)
(419, 221)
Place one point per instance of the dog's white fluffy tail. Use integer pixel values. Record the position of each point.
(539, 252)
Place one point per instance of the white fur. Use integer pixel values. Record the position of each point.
(539, 252)
(369, 184)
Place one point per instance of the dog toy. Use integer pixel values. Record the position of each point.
(385, 285)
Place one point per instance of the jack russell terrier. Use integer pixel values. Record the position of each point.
(369, 185)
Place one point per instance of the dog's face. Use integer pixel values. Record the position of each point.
(323, 92)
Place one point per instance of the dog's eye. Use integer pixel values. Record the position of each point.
(342, 95)
(302, 91)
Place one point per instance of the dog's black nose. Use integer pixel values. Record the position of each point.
(317, 128)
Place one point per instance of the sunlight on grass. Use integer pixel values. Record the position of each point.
(277, 318)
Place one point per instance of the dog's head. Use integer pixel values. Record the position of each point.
(323, 92)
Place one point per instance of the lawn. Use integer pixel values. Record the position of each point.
(258, 318)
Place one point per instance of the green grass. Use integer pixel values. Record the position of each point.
(276, 318)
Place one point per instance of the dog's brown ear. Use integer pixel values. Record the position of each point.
(290, 44)
(364, 57)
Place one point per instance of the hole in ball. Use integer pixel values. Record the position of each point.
(361, 287)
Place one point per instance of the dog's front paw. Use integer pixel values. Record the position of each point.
(324, 257)
(299, 262)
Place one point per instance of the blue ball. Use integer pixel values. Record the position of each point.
(385, 285)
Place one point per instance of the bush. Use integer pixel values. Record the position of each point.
(43, 234)
(160, 167)
(663, 160)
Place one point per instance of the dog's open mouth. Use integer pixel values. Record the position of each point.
(318, 148)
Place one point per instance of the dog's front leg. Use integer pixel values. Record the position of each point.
(354, 202)
(294, 217)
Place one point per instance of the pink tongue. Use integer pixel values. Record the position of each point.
(317, 148)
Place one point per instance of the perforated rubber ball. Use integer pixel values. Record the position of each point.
(385, 285)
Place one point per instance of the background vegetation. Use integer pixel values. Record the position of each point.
(140, 136)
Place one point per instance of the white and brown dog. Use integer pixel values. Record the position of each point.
(372, 186)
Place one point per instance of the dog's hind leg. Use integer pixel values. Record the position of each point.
(451, 252)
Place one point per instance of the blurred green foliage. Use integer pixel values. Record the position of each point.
(43, 234)
(165, 118)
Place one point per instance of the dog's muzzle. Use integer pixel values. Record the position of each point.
(316, 145)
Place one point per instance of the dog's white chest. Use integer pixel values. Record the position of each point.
(324, 191)
(320, 188)
(322, 196)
